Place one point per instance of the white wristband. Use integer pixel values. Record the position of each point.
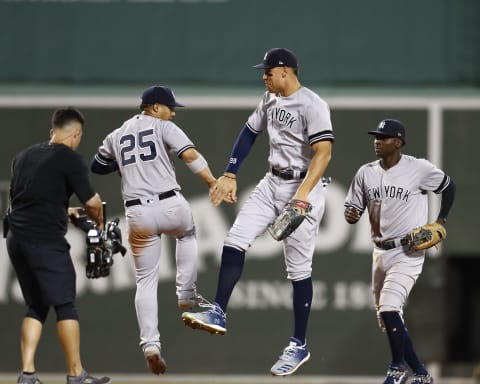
(198, 165)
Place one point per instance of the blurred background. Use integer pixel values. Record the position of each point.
(417, 61)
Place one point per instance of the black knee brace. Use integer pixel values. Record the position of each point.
(66, 311)
(38, 312)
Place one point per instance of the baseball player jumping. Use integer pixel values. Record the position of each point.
(141, 150)
(298, 124)
(394, 191)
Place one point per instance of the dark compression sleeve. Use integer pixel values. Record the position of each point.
(103, 165)
(241, 148)
(448, 196)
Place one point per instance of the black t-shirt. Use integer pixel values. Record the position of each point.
(44, 176)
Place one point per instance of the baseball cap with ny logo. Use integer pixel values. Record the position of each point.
(278, 57)
(390, 128)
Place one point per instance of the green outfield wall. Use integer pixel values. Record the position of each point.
(342, 42)
(343, 334)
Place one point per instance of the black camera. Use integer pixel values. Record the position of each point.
(102, 244)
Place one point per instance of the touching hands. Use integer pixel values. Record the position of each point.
(225, 189)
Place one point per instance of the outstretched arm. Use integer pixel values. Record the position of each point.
(199, 166)
(226, 188)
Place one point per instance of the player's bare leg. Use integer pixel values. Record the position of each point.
(30, 337)
(68, 332)
(69, 336)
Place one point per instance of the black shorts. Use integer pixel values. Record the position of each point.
(44, 270)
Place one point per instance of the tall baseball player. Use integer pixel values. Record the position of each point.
(394, 191)
(298, 124)
(142, 150)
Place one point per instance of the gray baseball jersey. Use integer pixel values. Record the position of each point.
(143, 148)
(293, 124)
(396, 200)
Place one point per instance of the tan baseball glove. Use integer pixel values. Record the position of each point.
(426, 236)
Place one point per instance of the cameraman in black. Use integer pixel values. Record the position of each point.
(44, 176)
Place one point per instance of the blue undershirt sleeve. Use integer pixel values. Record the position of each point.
(241, 148)
(448, 196)
(102, 165)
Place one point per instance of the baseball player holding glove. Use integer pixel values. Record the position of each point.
(394, 191)
(141, 150)
(290, 199)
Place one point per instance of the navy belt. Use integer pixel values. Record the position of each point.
(390, 244)
(161, 196)
(288, 174)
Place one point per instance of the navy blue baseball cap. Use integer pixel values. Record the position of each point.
(158, 94)
(390, 128)
(278, 57)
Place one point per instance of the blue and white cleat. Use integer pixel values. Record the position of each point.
(293, 356)
(422, 379)
(213, 320)
(396, 375)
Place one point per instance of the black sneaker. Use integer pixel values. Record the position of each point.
(85, 378)
(28, 379)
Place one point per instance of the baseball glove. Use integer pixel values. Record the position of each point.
(289, 219)
(426, 236)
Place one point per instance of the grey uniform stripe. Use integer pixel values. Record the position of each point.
(321, 136)
(444, 184)
(253, 130)
(103, 160)
(179, 153)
